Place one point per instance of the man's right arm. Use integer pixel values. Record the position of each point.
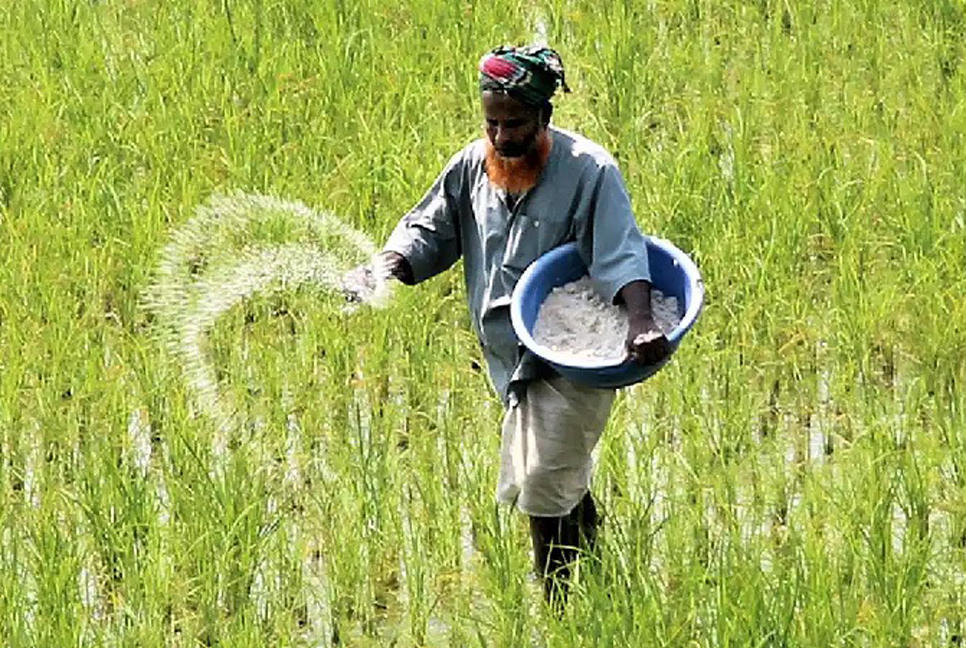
(426, 241)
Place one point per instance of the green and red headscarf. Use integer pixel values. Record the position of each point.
(531, 74)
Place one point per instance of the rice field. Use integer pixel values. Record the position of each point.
(203, 442)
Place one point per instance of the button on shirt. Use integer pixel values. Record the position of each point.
(580, 197)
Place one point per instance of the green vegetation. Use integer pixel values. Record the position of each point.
(794, 477)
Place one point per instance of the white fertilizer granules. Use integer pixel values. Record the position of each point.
(576, 323)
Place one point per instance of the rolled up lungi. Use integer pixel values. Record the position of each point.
(548, 436)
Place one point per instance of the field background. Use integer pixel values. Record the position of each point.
(794, 477)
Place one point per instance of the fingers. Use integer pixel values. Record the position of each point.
(383, 265)
(648, 348)
(392, 264)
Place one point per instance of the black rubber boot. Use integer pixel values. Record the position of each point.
(552, 555)
(557, 542)
(588, 520)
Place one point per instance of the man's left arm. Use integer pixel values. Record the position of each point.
(645, 343)
(616, 254)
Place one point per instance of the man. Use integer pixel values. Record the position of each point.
(500, 203)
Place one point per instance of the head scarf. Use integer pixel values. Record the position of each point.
(530, 74)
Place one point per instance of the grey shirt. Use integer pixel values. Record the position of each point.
(580, 197)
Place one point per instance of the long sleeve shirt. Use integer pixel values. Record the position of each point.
(580, 196)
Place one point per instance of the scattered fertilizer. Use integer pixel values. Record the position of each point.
(576, 323)
(215, 261)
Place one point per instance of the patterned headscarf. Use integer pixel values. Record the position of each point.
(530, 74)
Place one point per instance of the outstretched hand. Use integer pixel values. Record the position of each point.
(392, 264)
(361, 283)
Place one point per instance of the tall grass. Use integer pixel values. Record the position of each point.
(794, 476)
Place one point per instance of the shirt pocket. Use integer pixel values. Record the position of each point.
(529, 238)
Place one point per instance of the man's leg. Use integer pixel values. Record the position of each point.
(546, 465)
(557, 541)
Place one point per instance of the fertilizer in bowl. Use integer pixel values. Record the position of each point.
(576, 323)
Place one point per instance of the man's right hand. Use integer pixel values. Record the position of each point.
(395, 265)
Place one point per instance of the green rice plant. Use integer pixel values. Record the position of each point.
(793, 477)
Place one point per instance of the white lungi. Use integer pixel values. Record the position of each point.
(548, 437)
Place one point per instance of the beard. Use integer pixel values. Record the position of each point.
(518, 174)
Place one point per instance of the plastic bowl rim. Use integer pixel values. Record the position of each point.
(549, 355)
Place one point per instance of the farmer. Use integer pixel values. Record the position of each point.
(500, 203)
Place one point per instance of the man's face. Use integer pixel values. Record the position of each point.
(511, 125)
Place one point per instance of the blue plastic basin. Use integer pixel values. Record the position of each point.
(672, 272)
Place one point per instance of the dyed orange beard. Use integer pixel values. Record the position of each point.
(516, 175)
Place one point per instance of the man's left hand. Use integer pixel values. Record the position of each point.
(646, 344)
